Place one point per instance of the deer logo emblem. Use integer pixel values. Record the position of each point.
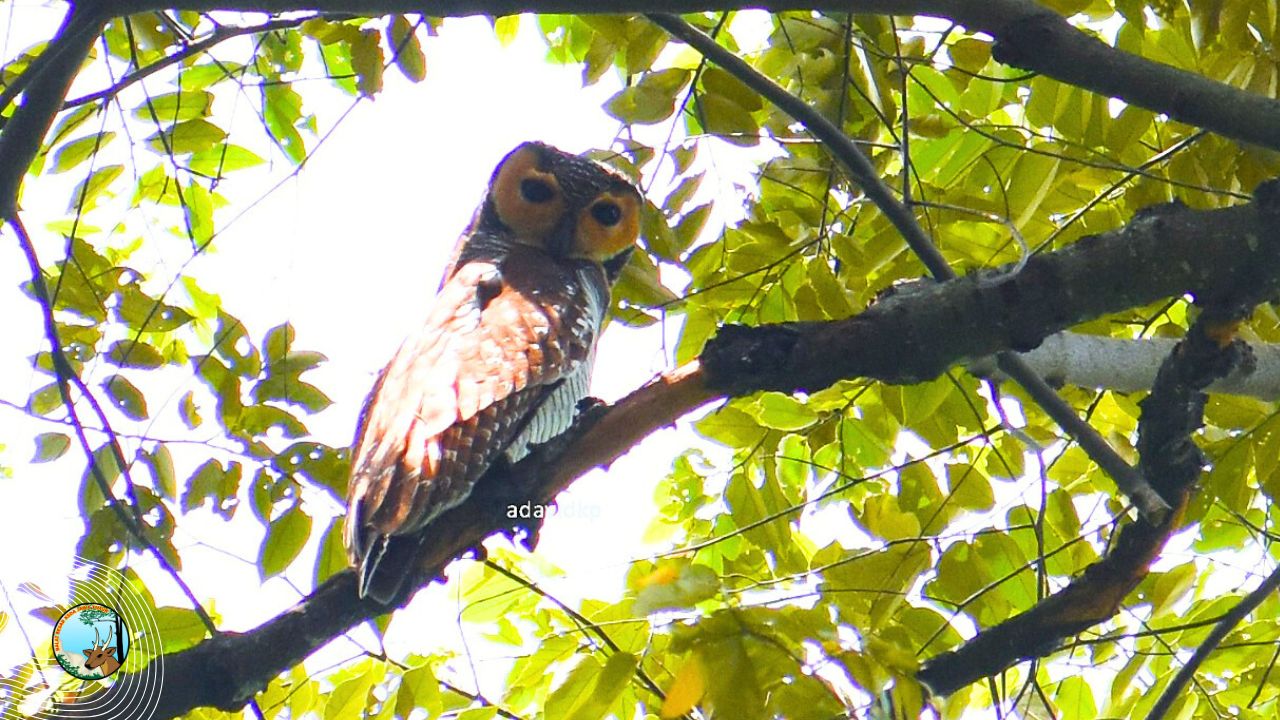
(101, 656)
(84, 625)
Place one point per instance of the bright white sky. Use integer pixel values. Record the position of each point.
(350, 253)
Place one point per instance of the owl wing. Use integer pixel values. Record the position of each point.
(500, 341)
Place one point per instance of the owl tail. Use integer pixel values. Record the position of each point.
(387, 566)
(369, 564)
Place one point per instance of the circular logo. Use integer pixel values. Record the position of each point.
(90, 641)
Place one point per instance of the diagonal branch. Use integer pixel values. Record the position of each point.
(1215, 637)
(44, 92)
(129, 515)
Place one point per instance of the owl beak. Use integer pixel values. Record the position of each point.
(561, 241)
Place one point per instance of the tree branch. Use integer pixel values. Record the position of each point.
(1206, 647)
(24, 133)
(1129, 365)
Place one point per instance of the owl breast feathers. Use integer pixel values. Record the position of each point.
(502, 359)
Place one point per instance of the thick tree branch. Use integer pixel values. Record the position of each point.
(908, 337)
(1129, 365)
(1171, 462)
(226, 671)
(24, 133)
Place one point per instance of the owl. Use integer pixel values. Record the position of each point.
(503, 357)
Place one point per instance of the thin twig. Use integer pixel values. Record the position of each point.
(578, 618)
(67, 377)
(221, 34)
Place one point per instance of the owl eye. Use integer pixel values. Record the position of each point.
(606, 213)
(536, 191)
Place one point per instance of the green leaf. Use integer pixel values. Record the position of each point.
(650, 101)
(134, 354)
(45, 400)
(612, 680)
(142, 312)
(506, 28)
(126, 397)
(211, 481)
(188, 412)
(284, 541)
(50, 446)
(222, 159)
(175, 107)
(85, 195)
(419, 689)
(349, 699)
(367, 61)
(179, 628)
(333, 555)
(676, 588)
(188, 136)
(730, 121)
(79, 150)
(161, 463)
(720, 82)
(782, 412)
(282, 109)
(408, 50)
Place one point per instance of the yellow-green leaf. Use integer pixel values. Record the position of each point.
(126, 397)
(367, 61)
(76, 151)
(285, 538)
(50, 446)
(407, 49)
(686, 690)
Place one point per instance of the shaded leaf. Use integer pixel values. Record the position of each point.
(50, 446)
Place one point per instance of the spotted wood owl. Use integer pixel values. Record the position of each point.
(503, 357)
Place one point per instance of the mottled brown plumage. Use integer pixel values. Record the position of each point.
(503, 356)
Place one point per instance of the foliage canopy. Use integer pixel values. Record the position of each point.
(834, 539)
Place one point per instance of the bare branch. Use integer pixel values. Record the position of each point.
(1171, 462)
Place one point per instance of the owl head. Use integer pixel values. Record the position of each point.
(566, 205)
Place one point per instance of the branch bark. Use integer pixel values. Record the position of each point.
(1129, 365)
(911, 336)
(45, 90)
